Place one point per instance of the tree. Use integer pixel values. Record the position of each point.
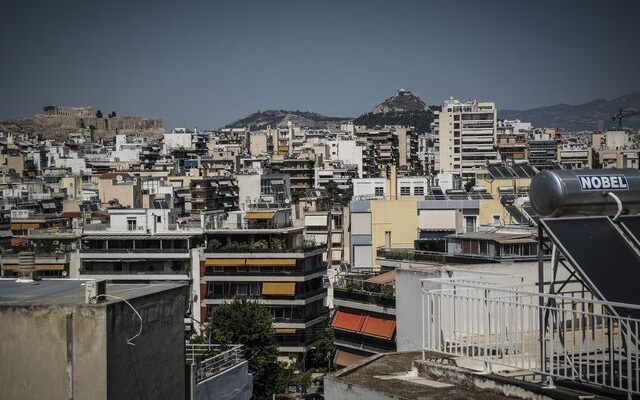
(112, 115)
(248, 323)
(320, 357)
(98, 114)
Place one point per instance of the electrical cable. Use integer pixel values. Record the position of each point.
(130, 340)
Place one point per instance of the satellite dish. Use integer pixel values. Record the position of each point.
(64, 274)
(119, 178)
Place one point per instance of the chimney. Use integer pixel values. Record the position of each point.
(387, 240)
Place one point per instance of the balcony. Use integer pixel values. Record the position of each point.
(207, 360)
(364, 297)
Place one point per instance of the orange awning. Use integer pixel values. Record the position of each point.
(283, 148)
(347, 321)
(10, 267)
(21, 227)
(380, 327)
(284, 331)
(224, 262)
(346, 359)
(386, 277)
(278, 288)
(259, 215)
(271, 262)
(50, 267)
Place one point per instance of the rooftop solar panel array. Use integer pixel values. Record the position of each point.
(601, 256)
(519, 170)
(437, 192)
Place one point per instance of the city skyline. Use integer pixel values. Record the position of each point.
(207, 65)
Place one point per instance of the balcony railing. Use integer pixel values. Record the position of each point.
(207, 360)
(364, 297)
(553, 336)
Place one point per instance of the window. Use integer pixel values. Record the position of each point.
(131, 224)
(379, 191)
(405, 191)
(470, 223)
(456, 118)
(496, 219)
(158, 218)
(418, 191)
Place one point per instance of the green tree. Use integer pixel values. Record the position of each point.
(320, 357)
(98, 114)
(247, 323)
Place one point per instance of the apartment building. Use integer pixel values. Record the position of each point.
(261, 254)
(467, 136)
(543, 148)
(364, 321)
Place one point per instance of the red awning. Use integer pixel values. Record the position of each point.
(381, 327)
(347, 321)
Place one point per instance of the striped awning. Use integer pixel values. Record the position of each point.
(259, 215)
(278, 288)
(271, 262)
(224, 262)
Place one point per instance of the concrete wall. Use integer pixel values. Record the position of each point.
(154, 367)
(233, 384)
(33, 353)
(336, 390)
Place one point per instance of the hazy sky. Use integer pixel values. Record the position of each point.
(207, 63)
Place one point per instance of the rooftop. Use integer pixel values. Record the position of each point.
(51, 292)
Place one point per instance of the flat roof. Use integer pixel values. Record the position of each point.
(387, 373)
(69, 292)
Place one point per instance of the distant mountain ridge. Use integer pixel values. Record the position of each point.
(403, 108)
(280, 118)
(589, 116)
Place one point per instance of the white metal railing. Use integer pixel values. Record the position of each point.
(582, 339)
(207, 360)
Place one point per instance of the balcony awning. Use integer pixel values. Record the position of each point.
(18, 226)
(259, 215)
(346, 359)
(380, 327)
(384, 278)
(278, 288)
(271, 262)
(50, 267)
(284, 331)
(10, 267)
(224, 262)
(347, 321)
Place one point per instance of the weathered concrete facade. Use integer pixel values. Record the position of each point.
(54, 346)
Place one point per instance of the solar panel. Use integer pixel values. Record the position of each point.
(631, 225)
(520, 170)
(475, 196)
(495, 172)
(486, 196)
(504, 171)
(437, 193)
(601, 256)
(516, 215)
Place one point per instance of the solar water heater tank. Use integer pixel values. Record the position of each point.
(555, 193)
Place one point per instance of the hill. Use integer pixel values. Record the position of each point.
(403, 108)
(591, 116)
(279, 118)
